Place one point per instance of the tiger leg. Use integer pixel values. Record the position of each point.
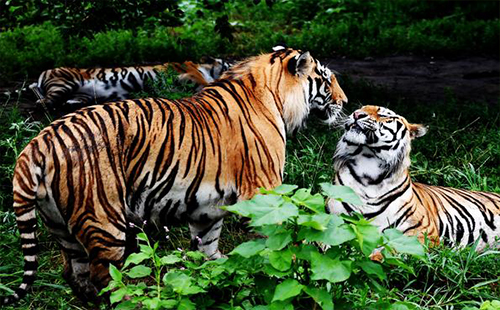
(80, 100)
(205, 237)
(55, 97)
(105, 244)
(77, 273)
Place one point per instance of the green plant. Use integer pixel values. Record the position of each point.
(289, 268)
(167, 85)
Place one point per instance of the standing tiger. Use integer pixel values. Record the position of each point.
(73, 88)
(93, 172)
(373, 158)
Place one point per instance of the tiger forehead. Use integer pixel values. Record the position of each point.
(371, 110)
(284, 53)
(380, 113)
(323, 71)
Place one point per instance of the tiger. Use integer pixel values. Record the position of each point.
(94, 173)
(373, 158)
(73, 88)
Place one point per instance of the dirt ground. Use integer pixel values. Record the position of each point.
(420, 78)
(428, 79)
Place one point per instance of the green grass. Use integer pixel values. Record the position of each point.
(353, 28)
(461, 149)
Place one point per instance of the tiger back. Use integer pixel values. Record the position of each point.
(373, 158)
(73, 88)
(93, 173)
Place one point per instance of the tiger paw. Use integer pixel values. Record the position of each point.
(377, 256)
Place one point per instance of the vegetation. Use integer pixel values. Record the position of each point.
(38, 35)
(286, 270)
(462, 149)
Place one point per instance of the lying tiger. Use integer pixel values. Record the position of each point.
(373, 158)
(73, 88)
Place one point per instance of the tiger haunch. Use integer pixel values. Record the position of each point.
(95, 171)
(373, 158)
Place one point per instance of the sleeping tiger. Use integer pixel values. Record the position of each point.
(72, 88)
(373, 158)
(93, 172)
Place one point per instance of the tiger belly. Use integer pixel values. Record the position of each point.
(464, 224)
(103, 92)
(175, 207)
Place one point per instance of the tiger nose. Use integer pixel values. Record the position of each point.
(341, 101)
(358, 114)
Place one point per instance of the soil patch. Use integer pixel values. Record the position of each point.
(421, 79)
(426, 78)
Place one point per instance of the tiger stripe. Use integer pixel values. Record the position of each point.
(73, 88)
(373, 158)
(94, 172)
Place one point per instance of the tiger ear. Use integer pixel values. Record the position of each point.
(417, 130)
(302, 65)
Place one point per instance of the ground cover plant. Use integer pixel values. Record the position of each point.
(462, 149)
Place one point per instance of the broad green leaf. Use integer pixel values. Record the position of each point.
(186, 304)
(139, 272)
(249, 248)
(135, 258)
(400, 305)
(368, 237)
(490, 305)
(325, 268)
(179, 281)
(270, 270)
(151, 303)
(303, 251)
(287, 289)
(281, 260)
(281, 305)
(142, 236)
(284, 189)
(115, 273)
(341, 193)
(125, 305)
(404, 244)
(168, 303)
(146, 249)
(170, 259)
(279, 239)
(117, 295)
(275, 214)
(314, 202)
(336, 233)
(372, 268)
(260, 307)
(258, 206)
(321, 297)
(242, 208)
(196, 255)
(191, 290)
(316, 221)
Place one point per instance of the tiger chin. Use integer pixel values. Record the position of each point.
(373, 158)
(93, 174)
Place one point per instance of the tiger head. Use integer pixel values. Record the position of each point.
(377, 133)
(297, 82)
(320, 87)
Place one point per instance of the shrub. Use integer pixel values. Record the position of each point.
(286, 270)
